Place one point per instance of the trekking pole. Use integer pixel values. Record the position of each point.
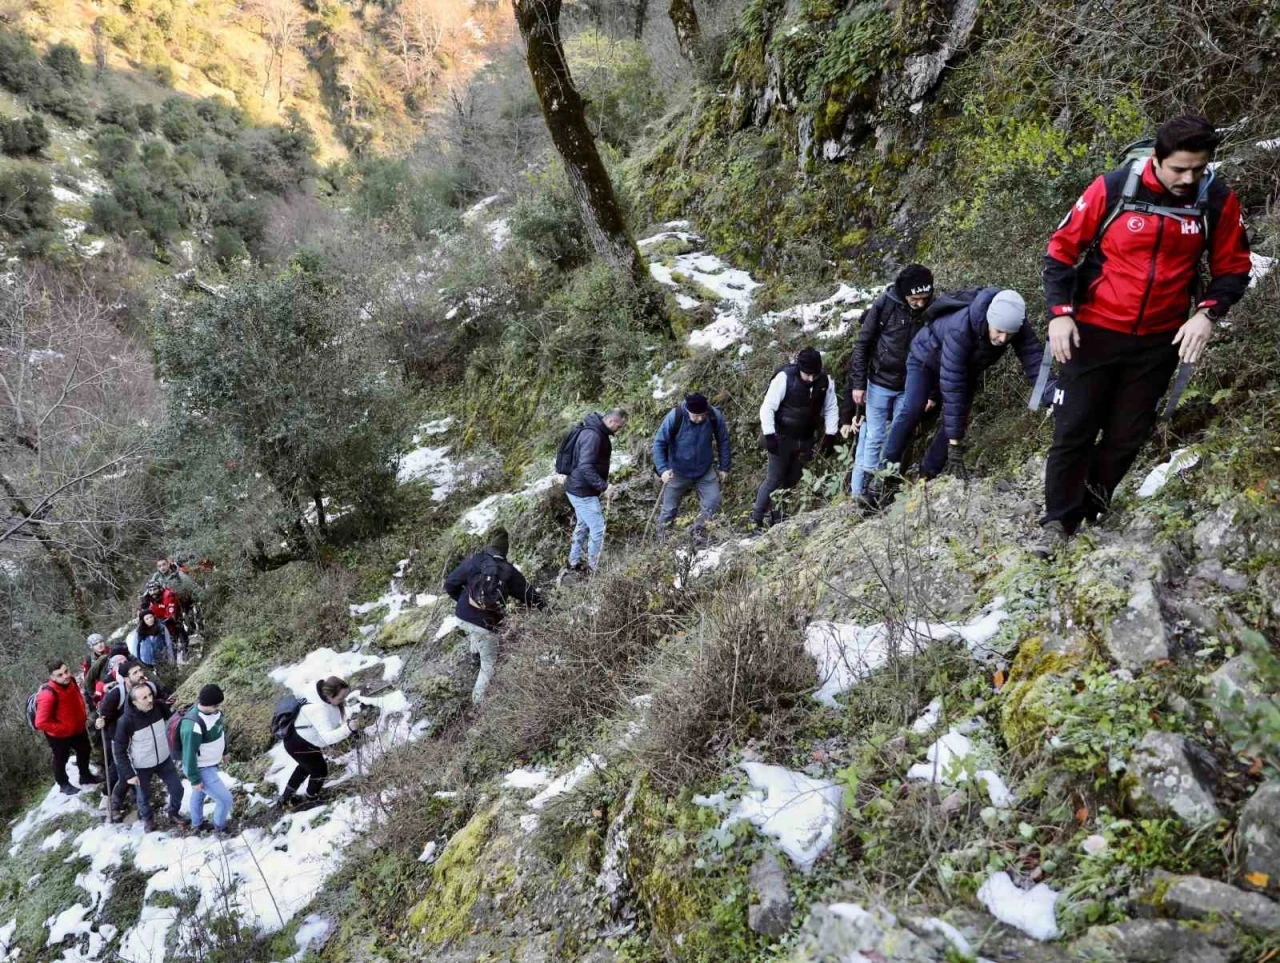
(106, 771)
(653, 514)
(1037, 393)
(1185, 370)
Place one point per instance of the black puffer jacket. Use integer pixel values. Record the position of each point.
(884, 341)
(590, 474)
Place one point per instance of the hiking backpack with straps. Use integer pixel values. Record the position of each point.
(567, 454)
(286, 715)
(1135, 157)
(31, 705)
(484, 587)
(173, 728)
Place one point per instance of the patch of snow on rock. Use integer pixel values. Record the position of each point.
(569, 781)
(526, 779)
(475, 210)
(1033, 911)
(1158, 477)
(1260, 267)
(798, 811)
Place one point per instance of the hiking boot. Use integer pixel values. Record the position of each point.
(1050, 537)
(117, 817)
(91, 780)
(307, 801)
(699, 535)
(149, 824)
(179, 820)
(775, 516)
(69, 790)
(284, 799)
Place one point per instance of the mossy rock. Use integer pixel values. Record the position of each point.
(409, 629)
(1025, 700)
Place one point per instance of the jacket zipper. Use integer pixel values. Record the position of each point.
(1151, 274)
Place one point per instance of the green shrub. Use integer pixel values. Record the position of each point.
(616, 79)
(227, 246)
(546, 221)
(117, 148)
(24, 136)
(118, 111)
(179, 121)
(148, 116)
(26, 197)
(64, 60)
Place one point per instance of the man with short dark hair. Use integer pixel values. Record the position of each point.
(203, 731)
(684, 451)
(61, 715)
(800, 404)
(587, 482)
(115, 699)
(141, 751)
(482, 586)
(1120, 278)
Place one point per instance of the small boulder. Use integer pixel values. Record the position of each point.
(771, 914)
(1259, 832)
(1218, 536)
(1196, 898)
(1237, 675)
(1137, 636)
(1212, 570)
(1152, 941)
(1269, 587)
(847, 931)
(1172, 775)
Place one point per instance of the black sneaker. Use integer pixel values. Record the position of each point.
(91, 780)
(69, 790)
(149, 824)
(1045, 543)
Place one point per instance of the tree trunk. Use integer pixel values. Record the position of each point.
(564, 112)
(642, 11)
(57, 555)
(688, 34)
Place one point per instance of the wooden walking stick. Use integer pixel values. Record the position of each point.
(653, 514)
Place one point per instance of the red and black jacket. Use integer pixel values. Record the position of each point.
(1139, 279)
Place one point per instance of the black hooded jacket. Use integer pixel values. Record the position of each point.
(884, 341)
(590, 474)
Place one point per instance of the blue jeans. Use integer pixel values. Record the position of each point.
(922, 382)
(216, 789)
(708, 487)
(880, 405)
(590, 521)
(168, 774)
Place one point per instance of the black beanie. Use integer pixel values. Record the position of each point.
(809, 361)
(913, 280)
(210, 695)
(500, 541)
(696, 404)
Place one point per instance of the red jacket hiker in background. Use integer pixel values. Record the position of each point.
(62, 716)
(1122, 311)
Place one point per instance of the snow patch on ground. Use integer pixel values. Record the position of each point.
(845, 653)
(944, 765)
(475, 210)
(1158, 477)
(1032, 911)
(313, 934)
(928, 719)
(480, 517)
(820, 314)
(1260, 267)
(798, 811)
(526, 779)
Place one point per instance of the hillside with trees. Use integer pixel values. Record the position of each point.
(306, 296)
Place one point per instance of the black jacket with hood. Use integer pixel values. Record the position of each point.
(513, 586)
(590, 475)
(884, 341)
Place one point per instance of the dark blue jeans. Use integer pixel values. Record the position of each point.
(922, 383)
(172, 781)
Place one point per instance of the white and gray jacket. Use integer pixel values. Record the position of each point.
(321, 724)
(141, 741)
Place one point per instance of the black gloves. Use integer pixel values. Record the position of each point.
(955, 461)
(829, 443)
(771, 442)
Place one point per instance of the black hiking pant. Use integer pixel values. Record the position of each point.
(786, 465)
(311, 764)
(62, 750)
(1104, 410)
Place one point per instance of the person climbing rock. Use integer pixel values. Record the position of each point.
(800, 402)
(969, 331)
(1120, 279)
(878, 367)
(319, 724)
(691, 451)
(203, 731)
(141, 750)
(585, 464)
(482, 585)
(105, 716)
(155, 644)
(61, 715)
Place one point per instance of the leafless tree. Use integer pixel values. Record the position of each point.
(74, 399)
(281, 23)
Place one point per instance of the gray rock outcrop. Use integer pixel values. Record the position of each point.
(1174, 776)
(1196, 898)
(1259, 833)
(771, 914)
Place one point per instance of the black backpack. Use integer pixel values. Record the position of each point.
(31, 705)
(485, 590)
(567, 455)
(286, 714)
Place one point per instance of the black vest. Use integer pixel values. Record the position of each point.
(800, 412)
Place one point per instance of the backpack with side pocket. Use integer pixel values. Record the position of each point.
(567, 454)
(485, 590)
(286, 715)
(31, 705)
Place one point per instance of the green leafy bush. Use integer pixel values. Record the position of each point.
(64, 60)
(24, 136)
(26, 197)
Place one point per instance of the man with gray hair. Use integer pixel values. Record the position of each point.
(584, 461)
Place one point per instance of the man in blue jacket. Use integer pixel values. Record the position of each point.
(970, 331)
(588, 480)
(684, 458)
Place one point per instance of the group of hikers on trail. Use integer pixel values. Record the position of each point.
(1122, 286)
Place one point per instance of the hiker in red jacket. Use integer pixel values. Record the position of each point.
(1120, 279)
(61, 715)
